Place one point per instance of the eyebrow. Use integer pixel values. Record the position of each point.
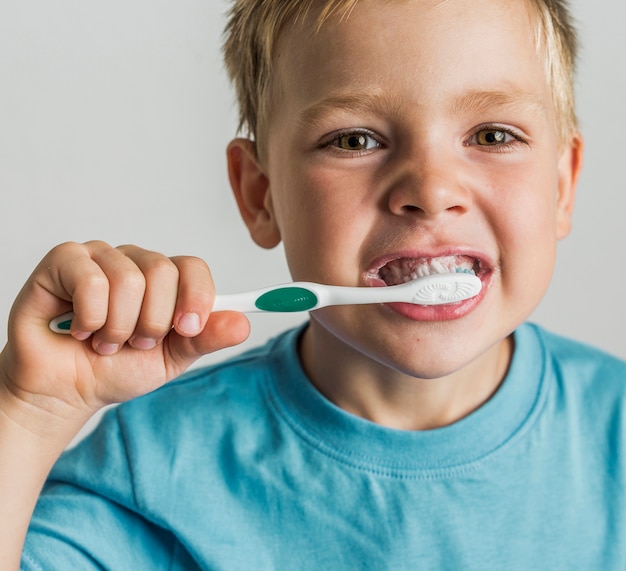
(365, 101)
(487, 100)
(476, 100)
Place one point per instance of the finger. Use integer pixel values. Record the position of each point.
(69, 273)
(223, 329)
(159, 301)
(196, 293)
(127, 286)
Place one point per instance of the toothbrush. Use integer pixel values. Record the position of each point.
(435, 289)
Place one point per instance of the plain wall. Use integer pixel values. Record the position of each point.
(114, 118)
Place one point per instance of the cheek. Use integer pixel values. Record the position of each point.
(521, 206)
(323, 223)
(524, 205)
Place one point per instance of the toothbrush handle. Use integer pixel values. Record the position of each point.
(277, 299)
(286, 298)
(243, 302)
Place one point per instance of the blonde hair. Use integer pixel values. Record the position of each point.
(557, 41)
(254, 27)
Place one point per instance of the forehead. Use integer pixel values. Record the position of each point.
(416, 49)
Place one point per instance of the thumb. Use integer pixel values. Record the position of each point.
(223, 329)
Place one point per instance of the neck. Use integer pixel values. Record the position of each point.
(395, 399)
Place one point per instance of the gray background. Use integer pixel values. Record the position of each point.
(114, 117)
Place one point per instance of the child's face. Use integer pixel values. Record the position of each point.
(410, 131)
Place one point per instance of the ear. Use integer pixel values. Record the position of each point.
(569, 167)
(251, 188)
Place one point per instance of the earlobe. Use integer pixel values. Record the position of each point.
(570, 164)
(251, 188)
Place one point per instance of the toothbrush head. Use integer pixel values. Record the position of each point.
(440, 289)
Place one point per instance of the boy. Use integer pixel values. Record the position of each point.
(391, 139)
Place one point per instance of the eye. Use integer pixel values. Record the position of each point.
(356, 141)
(491, 137)
(499, 137)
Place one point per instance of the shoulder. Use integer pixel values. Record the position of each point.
(587, 360)
(583, 372)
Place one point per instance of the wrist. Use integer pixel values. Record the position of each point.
(43, 418)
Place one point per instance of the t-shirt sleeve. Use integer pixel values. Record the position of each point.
(87, 516)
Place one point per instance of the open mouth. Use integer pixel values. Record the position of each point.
(403, 270)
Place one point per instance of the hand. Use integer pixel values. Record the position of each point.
(140, 320)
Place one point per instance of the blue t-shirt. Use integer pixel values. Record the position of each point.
(245, 466)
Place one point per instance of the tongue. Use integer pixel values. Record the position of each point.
(407, 269)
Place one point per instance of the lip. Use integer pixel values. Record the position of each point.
(434, 312)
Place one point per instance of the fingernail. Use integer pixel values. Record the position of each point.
(107, 349)
(189, 323)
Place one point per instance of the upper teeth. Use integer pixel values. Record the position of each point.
(406, 269)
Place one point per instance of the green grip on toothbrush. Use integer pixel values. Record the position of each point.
(286, 300)
(64, 325)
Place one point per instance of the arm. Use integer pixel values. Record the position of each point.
(122, 345)
(30, 442)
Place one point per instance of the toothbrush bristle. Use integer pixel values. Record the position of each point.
(447, 288)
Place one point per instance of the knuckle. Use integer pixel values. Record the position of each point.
(197, 263)
(128, 249)
(77, 249)
(96, 246)
(162, 268)
(65, 249)
(192, 263)
(198, 280)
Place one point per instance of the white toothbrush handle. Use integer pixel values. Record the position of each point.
(246, 302)
(436, 289)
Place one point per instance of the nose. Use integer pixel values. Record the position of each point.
(429, 185)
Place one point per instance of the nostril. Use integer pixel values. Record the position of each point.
(452, 209)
